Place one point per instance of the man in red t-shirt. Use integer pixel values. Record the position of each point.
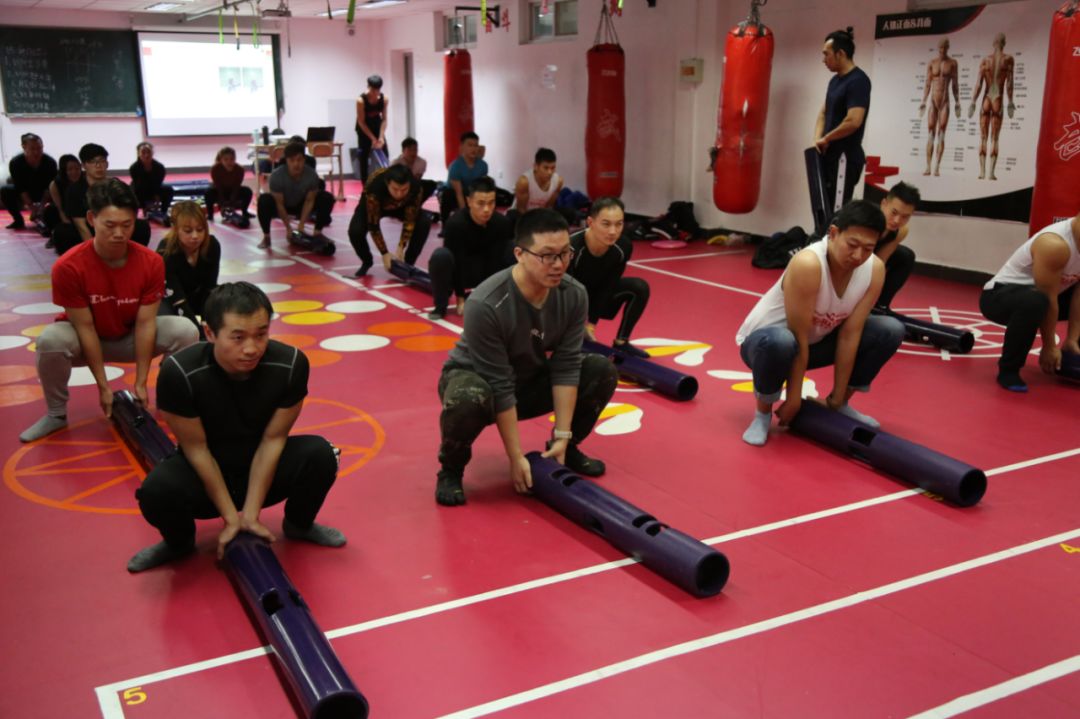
(109, 288)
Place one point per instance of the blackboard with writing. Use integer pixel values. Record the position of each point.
(49, 71)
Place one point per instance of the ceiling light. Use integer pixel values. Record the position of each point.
(163, 6)
(374, 4)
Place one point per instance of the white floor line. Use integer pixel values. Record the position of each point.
(635, 263)
(731, 635)
(935, 317)
(1015, 685)
(108, 695)
(690, 257)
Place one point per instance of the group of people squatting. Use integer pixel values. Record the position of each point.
(530, 292)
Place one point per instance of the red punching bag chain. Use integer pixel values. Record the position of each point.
(755, 17)
(607, 27)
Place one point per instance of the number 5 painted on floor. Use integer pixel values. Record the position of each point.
(134, 696)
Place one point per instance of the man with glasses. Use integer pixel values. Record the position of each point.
(520, 357)
(31, 172)
(95, 160)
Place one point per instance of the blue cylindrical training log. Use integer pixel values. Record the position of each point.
(664, 380)
(318, 680)
(674, 555)
(411, 275)
(956, 481)
(952, 339)
(1070, 366)
(143, 435)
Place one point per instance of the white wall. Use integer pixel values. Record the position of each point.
(670, 125)
(327, 65)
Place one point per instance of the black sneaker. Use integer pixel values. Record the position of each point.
(436, 314)
(448, 489)
(367, 264)
(582, 464)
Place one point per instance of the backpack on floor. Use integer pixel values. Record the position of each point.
(776, 251)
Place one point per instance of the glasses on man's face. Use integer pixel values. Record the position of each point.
(548, 258)
(98, 161)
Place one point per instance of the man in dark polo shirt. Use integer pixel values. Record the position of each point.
(478, 242)
(231, 403)
(520, 357)
(31, 172)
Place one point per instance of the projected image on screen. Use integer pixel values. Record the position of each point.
(195, 86)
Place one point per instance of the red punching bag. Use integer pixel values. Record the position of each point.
(1057, 159)
(744, 103)
(605, 124)
(457, 100)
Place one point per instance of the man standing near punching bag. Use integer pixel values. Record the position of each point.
(840, 124)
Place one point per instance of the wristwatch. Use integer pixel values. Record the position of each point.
(562, 434)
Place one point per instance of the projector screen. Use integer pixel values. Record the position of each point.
(193, 85)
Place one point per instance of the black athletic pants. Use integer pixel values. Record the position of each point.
(1021, 308)
(358, 230)
(242, 201)
(840, 175)
(897, 270)
(267, 210)
(468, 406)
(164, 195)
(172, 497)
(450, 273)
(66, 235)
(631, 296)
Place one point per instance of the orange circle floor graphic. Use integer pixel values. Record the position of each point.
(86, 467)
(322, 288)
(399, 329)
(9, 317)
(15, 394)
(16, 373)
(426, 343)
(298, 341)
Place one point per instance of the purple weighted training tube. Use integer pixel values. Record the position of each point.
(959, 483)
(141, 432)
(664, 380)
(674, 555)
(317, 678)
(411, 275)
(953, 339)
(1070, 366)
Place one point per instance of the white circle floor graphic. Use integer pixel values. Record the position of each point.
(38, 308)
(356, 307)
(989, 336)
(8, 342)
(263, 264)
(354, 343)
(83, 377)
(272, 287)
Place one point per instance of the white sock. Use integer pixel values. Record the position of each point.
(848, 411)
(758, 431)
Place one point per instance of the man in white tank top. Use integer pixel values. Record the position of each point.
(818, 314)
(1032, 292)
(540, 187)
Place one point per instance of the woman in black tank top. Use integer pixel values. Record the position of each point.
(371, 123)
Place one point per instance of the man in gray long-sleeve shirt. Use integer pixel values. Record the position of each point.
(520, 357)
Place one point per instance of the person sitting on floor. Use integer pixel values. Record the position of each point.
(601, 254)
(109, 289)
(898, 206)
(31, 172)
(148, 179)
(520, 356)
(817, 314)
(192, 262)
(294, 192)
(95, 162)
(478, 242)
(410, 157)
(231, 403)
(390, 192)
(540, 187)
(227, 188)
(1032, 292)
(468, 166)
